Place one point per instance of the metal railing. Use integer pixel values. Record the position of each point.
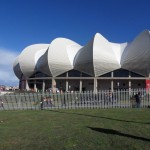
(74, 100)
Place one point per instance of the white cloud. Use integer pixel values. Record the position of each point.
(7, 76)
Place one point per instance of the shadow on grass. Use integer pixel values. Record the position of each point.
(101, 117)
(115, 132)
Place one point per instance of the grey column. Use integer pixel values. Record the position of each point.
(67, 81)
(35, 89)
(112, 82)
(80, 86)
(53, 85)
(129, 83)
(66, 85)
(27, 86)
(95, 85)
(43, 86)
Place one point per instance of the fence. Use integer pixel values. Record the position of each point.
(68, 100)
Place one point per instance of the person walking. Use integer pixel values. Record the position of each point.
(1, 104)
(138, 99)
(41, 102)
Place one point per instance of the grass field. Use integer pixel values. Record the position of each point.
(86, 129)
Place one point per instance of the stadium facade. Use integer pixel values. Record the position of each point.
(99, 65)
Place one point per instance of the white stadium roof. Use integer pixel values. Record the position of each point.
(97, 57)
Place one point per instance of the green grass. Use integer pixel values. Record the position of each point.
(86, 129)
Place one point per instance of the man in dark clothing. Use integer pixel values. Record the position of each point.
(138, 99)
(41, 103)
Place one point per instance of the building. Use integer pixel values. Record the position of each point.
(98, 65)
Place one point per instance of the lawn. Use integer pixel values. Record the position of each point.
(78, 129)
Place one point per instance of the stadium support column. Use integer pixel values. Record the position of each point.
(95, 85)
(53, 85)
(112, 82)
(129, 83)
(80, 86)
(35, 89)
(67, 81)
(27, 85)
(43, 86)
(66, 85)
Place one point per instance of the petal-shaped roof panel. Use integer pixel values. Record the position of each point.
(118, 49)
(42, 64)
(84, 59)
(72, 51)
(136, 56)
(29, 57)
(97, 57)
(104, 58)
(16, 68)
(59, 58)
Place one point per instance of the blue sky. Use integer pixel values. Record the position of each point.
(26, 22)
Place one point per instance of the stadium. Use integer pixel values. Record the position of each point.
(99, 65)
